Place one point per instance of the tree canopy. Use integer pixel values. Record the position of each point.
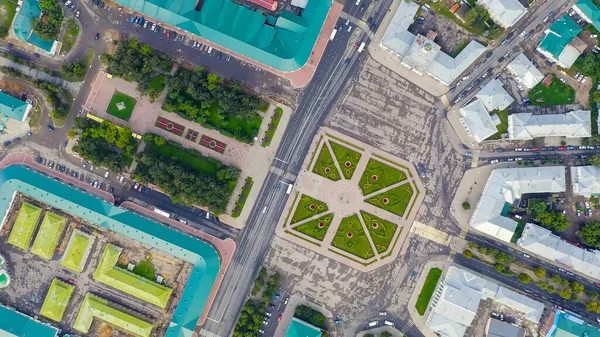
(551, 219)
(74, 70)
(47, 27)
(477, 16)
(590, 234)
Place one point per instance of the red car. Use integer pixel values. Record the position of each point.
(280, 316)
(535, 149)
(562, 148)
(168, 34)
(71, 281)
(140, 188)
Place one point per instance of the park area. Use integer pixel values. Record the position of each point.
(351, 202)
(8, 9)
(50, 258)
(121, 106)
(557, 93)
(428, 289)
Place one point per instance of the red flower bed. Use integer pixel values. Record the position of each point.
(213, 144)
(170, 126)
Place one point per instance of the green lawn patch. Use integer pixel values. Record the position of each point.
(8, 9)
(325, 166)
(378, 175)
(241, 200)
(441, 9)
(70, 36)
(308, 207)
(351, 237)
(88, 56)
(275, 119)
(191, 157)
(427, 291)
(145, 269)
(395, 200)
(460, 46)
(264, 107)
(346, 158)
(518, 232)
(317, 228)
(310, 315)
(156, 86)
(557, 93)
(381, 231)
(126, 112)
(502, 127)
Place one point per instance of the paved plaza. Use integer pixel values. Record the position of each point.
(344, 199)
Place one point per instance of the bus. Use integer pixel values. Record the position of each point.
(333, 35)
(161, 212)
(289, 189)
(362, 46)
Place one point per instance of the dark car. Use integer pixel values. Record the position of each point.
(111, 190)
(477, 81)
(65, 143)
(102, 4)
(51, 128)
(489, 54)
(347, 61)
(570, 147)
(510, 35)
(7, 143)
(219, 54)
(16, 140)
(10, 45)
(501, 59)
(97, 36)
(36, 55)
(464, 146)
(499, 149)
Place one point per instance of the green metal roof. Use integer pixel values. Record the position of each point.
(15, 324)
(570, 326)
(57, 300)
(4, 279)
(300, 328)
(128, 282)
(24, 226)
(13, 107)
(200, 254)
(30, 9)
(562, 32)
(77, 251)
(48, 235)
(96, 307)
(591, 11)
(285, 46)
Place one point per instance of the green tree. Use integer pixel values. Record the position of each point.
(594, 160)
(577, 288)
(555, 278)
(47, 27)
(468, 254)
(588, 64)
(551, 289)
(540, 272)
(524, 278)
(543, 284)
(466, 206)
(477, 16)
(590, 234)
(566, 293)
(495, 32)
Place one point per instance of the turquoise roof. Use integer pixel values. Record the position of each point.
(30, 9)
(590, 10)
(285, 45)
(15, 324)
(562, 32)
(12, 107)
(570, 326)
(200, 254)
(299, 328)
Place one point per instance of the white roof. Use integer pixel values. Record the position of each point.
(568, 56)
(397, 38)
(505, 12)
(423, 54)
(299, 3)
(525, 126)
(446, 69)
(506, 185)
(542, 242)
(477, 120)
(524, 71)
(459, 297)
(494, 97)
(585, 180)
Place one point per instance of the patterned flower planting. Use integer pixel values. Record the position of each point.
(325, 166)
(212, 144)
(351, 237)
(381, 231)
(308, 207)
(170, 126)
(346, 159)
(317, 228)
(395, 200)
(378, 176)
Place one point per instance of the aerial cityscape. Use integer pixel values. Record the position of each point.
(299, 168)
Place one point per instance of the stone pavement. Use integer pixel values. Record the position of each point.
(253, 160)
(344, 198)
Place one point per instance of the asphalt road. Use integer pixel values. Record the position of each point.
(532, 20)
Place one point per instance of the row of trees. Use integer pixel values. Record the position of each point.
(253, 311)
(310, 315)
(551, 219)
(137, 62)
(185, 184)
(47, 27)
(478, 17)
(75, 70)
(104, 144)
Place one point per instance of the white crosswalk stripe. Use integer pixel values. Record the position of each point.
(363, 25)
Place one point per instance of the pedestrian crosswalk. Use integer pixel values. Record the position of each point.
(363, 25)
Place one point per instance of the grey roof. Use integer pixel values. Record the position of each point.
(524, 71)
(526, 126)
(422, 54)
(531, 308)
(477, 120)
(585, 180)
(542, 242)
(505, 12)
(506, 185)
(498, 328)
(494, 97)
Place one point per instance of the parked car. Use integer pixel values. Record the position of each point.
(97, 36)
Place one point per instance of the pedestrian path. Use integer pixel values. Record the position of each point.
(363, 25)
(73, 87)
(430, 233)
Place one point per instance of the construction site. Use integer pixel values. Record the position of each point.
(84, 278)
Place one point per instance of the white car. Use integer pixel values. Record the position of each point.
(382, 313)
(77, 14)
(562, 79)
(106, 174)
(584, 79)
(494, 161)
(121, 179)
(153, 27)
(265, 322)
(593, 36)
(268, 314)
(135, 187)
(526, 255)
(183, 221)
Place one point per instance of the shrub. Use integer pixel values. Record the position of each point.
(466, 206)
(468, 254)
